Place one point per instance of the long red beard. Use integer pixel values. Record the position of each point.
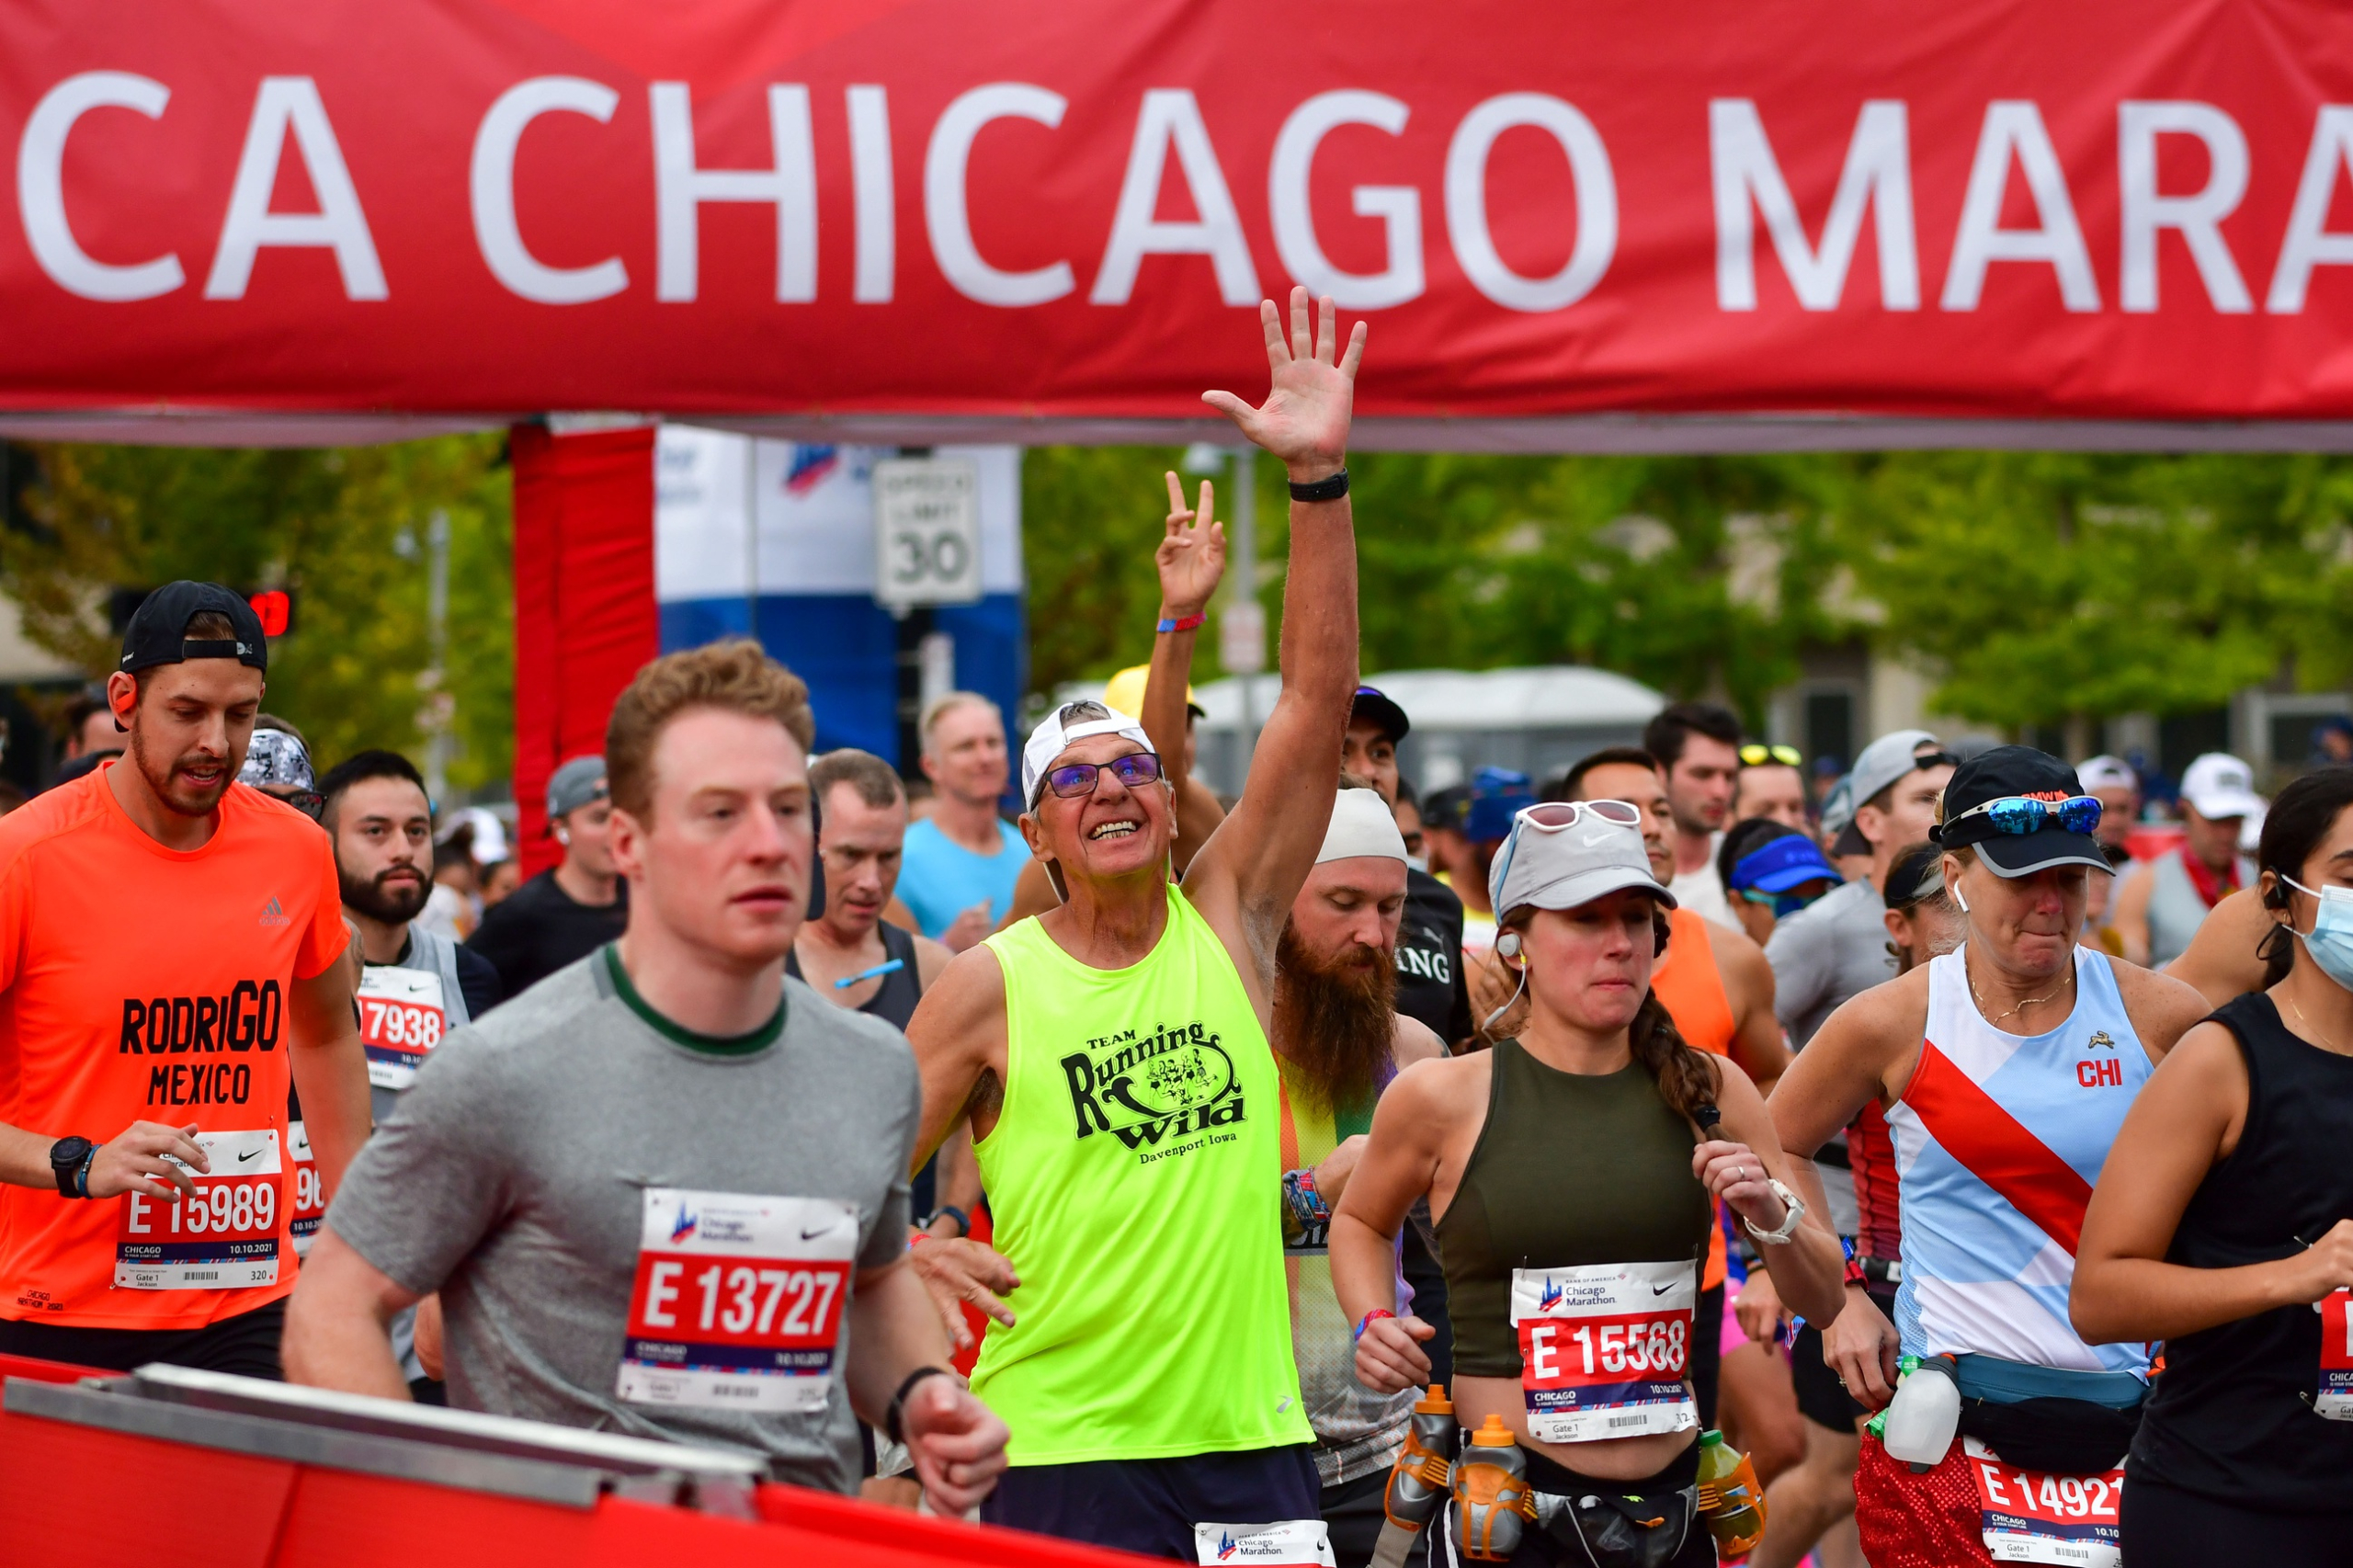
(1334, 1025)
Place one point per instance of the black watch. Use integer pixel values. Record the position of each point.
(67, 1157)
(894, 1415)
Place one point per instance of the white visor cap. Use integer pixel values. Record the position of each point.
(1055, 735)
(1564, 867)
(1363, 824)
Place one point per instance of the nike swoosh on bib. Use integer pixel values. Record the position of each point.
(1997, 1149)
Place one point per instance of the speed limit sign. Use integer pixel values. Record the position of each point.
(927, 532)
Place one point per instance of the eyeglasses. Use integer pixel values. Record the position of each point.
(309, 803)
(1754, 756)
(1075, 778)
(1784, 903)
(1559, 816)
(2020, 814)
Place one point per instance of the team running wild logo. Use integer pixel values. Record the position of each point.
(272, 913)
(1171, 1082)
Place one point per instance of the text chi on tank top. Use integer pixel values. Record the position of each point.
(1690, 986)
(1135, 1176)
(1999, 1138)
(1569, 1170)
(2231, 1417)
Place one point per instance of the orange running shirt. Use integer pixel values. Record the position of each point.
(141, 984)
(1688, 985)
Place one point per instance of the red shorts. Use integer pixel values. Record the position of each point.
(1929, 1520)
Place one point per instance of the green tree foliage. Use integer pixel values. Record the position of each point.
(344, 528)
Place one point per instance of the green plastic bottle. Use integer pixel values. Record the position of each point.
(1730, 1499)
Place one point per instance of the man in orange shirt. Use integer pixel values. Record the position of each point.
(169, 942)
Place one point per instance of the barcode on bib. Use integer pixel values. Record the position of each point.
(1617, 1421)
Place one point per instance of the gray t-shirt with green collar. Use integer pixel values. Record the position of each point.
(510, 1177)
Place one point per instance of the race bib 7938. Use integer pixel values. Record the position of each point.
(401, 1017)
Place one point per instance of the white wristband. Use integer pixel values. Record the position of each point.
(1780, 1234)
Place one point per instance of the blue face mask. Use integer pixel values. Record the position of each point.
(2330, 941)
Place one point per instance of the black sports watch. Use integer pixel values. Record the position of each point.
(67, 1157)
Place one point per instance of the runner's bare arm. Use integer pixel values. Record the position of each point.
(132, 1161)
(338, 1321)
(1810, 1268)
(957, 1443)
(932, 960)
(1244, 880)
(2162, 1009)
(1191, 560)
(1411, 1040)
(958, 1035)
(330, 1069)
(1757, 1043)
(1399, 1161)
(2129, 915)
(2221, 961)
(956, 1180)
(1865, 1050)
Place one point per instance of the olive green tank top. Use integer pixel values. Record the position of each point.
(1569, 1170)
(1135, 1176)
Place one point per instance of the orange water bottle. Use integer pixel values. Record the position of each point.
(1730, 1499)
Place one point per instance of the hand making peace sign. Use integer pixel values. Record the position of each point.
(1192, 556)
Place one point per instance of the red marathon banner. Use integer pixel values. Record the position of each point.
(926, 219)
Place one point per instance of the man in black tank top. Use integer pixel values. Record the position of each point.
(2223, 1224)
(853, 958)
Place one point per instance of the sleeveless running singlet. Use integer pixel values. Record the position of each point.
(894, 1001)
(1134, 1174)
(1688, 985)
(2232, 1419)
(1999, 1138)
(1569, 1170)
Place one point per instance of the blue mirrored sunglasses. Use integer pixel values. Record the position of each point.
(1074, 778)
(1786, 904)
(2018, 815)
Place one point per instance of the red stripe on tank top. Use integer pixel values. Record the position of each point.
(1997, 1149)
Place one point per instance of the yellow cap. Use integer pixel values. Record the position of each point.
(1494, 1434)
(1123, 693)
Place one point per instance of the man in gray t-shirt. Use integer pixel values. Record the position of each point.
(664, 1192)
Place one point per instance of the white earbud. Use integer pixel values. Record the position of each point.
(1508, 945)
(563, 835)
(1959, 898)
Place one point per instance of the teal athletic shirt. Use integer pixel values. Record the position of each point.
(940, 879)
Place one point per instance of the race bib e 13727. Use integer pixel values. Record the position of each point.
(225, 1237)
(738, 1300)
(1604, 1349)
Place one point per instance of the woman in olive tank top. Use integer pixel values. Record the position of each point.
(2223, 1224)
(1569, 1172)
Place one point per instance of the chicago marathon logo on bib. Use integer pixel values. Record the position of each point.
(1156, 1091)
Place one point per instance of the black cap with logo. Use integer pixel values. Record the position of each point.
(1372, 706)
(158, 631)
(2010, 773)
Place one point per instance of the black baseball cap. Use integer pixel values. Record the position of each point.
(158, 631)
(2003, 773)
(1374, 706)
(1917, 875)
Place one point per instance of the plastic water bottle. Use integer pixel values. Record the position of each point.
(1925, 1413)
(1420, 1478)
(1490, 1493)
(1730, 1499)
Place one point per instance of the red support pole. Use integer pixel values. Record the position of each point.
(584, 616)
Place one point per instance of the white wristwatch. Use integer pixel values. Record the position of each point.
(1779, 1235)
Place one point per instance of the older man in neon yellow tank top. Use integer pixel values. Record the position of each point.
(1112, 1056)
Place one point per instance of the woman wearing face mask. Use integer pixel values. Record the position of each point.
(1569, 1172)
(2223, 1225)
(2005, 1069)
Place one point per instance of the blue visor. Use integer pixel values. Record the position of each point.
(1789, 861)
(1497, 796)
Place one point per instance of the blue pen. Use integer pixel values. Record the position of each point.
(879, 969)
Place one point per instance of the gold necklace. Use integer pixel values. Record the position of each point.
(2331, 1044)
(1979, 996)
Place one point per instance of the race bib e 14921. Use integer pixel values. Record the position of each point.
(225, 1237)
(2026, 1516)
(2334, 1399)
(1604, 1349)
(738, 1300)
(403, 1016)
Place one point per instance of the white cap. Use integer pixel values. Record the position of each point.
(1563, 868)
(2105, 772)
(1363, 824)
(1055, 735)
(2220, 786)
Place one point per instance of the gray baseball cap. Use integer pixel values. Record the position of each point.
(1563, 854)
(1886, 760)
(576, 784)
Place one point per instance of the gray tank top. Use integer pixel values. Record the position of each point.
(2176, 912)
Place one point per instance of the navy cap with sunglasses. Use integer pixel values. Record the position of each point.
(2022, 810)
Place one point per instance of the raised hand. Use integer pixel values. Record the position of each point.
(1304, 420)
(1191, 556)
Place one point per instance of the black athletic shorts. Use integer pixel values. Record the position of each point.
(1708, 1352)
(247, 1344)
(2167, 1527)
(1820, 1399)
(1152, 1505)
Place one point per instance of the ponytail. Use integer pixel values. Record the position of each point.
(1686, 1079)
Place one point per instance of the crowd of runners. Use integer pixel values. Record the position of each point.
(1649, 1165)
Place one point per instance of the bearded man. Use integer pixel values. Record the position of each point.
(415, 986)
(1339, 1041)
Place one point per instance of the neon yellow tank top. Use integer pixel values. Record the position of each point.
(1135, 1178)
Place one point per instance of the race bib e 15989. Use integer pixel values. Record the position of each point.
(738, 1300)
(226, 1237)
(1604, 1349)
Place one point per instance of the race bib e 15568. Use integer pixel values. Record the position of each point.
(226, 1237)
(401, 1017)
(2028, 1516)
(1604, 1349)
(738, 1300)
